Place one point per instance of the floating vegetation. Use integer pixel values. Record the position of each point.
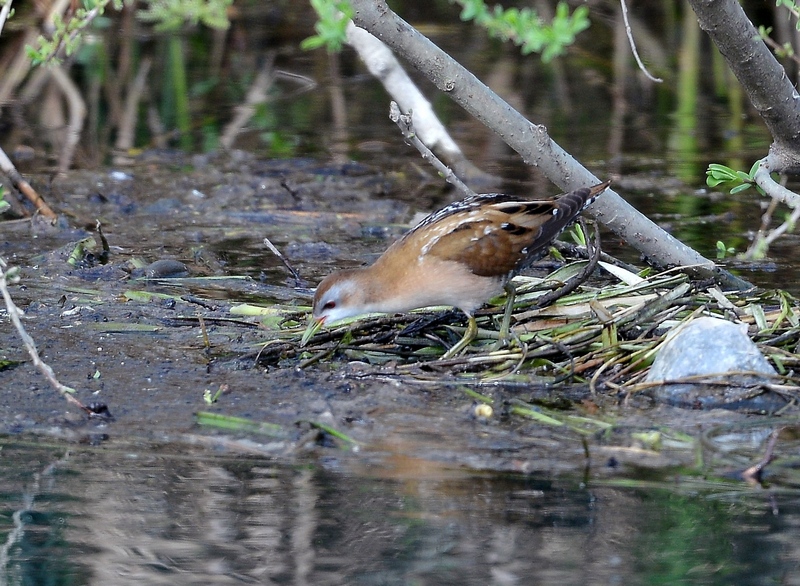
(602, 335)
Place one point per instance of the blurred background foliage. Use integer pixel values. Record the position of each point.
(172, 74)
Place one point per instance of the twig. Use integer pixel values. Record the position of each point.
(633, 44)
(567, 376)
(406, 126)
(77, 31)
(574, 250)
(385, 67)
(130, 112)
(766, 219)
(754, 473)
(773, 189)
(24, 187)
(257, 94)
(778, 49)
(298, 280)
(77, 114)
(783, 228)
(714, 380)
(778, 193)
(14, 314)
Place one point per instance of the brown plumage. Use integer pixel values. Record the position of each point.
(461, 255)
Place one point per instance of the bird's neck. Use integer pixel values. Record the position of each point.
(376, 283)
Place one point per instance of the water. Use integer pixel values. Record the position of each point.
(177, 516)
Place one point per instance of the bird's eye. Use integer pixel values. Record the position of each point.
(329, 305)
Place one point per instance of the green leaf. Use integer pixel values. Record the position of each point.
(740, 188)
(311, 43)
(721, 172)
(525, 29)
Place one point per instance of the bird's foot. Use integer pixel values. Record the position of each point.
(469, 335)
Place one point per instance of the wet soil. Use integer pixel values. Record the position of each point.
(150, 348)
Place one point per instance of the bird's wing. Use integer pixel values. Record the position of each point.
(496, 235)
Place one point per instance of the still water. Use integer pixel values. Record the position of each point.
(170, 516)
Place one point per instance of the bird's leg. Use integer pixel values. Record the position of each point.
(469, 335)
(505, 326)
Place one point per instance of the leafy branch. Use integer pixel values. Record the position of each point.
(167, 15)
(761, 178)
(526, 29)
(523, 26)
(785, 51)
(738, 181)
(332, 25)
(170, 15)
(66, 36)
(792, 7)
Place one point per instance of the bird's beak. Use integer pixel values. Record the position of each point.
(314, 325)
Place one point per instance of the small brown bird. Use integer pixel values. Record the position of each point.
(462, 255)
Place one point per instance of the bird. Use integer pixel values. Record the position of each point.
(461, 256)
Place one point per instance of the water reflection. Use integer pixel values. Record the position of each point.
(168, 517)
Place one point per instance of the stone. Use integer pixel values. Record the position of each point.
(716, 349)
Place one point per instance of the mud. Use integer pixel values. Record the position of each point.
(151, 349)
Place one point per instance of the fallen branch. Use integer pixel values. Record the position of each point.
(14, 314)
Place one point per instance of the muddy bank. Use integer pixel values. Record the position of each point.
(154, 350)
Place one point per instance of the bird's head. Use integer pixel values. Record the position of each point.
(338, 296)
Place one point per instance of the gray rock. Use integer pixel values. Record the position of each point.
(716, 349)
